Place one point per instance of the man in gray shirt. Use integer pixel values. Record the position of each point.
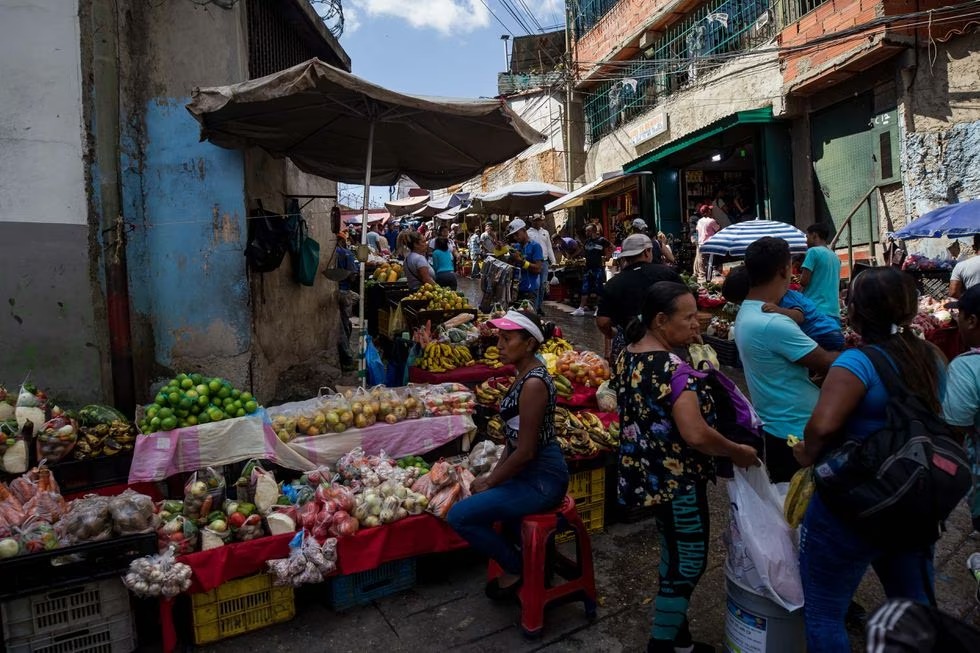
(966, 274)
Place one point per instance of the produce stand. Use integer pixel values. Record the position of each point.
(363, 551)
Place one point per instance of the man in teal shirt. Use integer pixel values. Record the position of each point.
(821, 271)
(776, 355)
(961, 403)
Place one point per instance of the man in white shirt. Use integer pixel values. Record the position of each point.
(540, 235)
(966, 274)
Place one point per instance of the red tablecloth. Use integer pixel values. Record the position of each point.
(948, 341)
(471, 375)
(582, 398)
(368, 549)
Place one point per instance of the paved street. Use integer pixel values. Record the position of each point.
(447, 610)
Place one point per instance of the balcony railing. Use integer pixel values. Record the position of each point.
(589, 12)
(688, 51)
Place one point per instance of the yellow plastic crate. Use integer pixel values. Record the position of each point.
(587, 487)
(240, 606)
(593, 516)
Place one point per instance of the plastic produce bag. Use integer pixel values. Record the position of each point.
(47, 504)
(11, 509)
(762, 557)
(606, 397)
(375, 366)
(700, 353)
(132, 513)
(13, 448)
(36, 536)
(32, 405)
(178, 534)
(159, 575)
(87, 520)
(203, 492)
(56, 438)
(484, 456)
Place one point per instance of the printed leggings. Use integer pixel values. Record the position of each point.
(684, 537)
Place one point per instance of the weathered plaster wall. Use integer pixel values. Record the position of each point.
(186, 199)
(48, 324)
(750, 82)
(294, 348)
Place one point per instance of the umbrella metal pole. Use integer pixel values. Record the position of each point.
(362, 324)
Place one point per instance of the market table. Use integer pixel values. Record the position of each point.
(367, 549)
(466, 375)
(160, 455)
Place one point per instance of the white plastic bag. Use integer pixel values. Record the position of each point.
(762, 555)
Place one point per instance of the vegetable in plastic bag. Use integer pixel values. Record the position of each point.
(178, 534)
(56, 438)
(484, 456)
(606, 397)
(132, 513)
(444, 499)
(36, 536)
(87, 520)
(11, 510)
(158, 575)
(203, 490)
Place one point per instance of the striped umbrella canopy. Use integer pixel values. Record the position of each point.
(734, 240)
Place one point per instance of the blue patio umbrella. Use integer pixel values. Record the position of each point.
(955, 220)
(734, 240)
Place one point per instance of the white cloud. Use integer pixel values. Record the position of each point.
(352, 19)
(444, 16)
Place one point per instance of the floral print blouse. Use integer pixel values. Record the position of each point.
(655, 463)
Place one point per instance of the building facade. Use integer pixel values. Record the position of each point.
(858, 112)
(127, 231)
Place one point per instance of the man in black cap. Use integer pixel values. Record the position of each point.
(622, 297)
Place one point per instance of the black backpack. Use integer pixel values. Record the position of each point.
(270, 237)
(898, 485)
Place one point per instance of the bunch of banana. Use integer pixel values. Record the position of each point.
(491, 358)
(495, 428)
(491, 391)
(556, 346)
(577, 443)
(798, 498)
(104, 440)
(598, 432)
(440, 357)
(563, 385)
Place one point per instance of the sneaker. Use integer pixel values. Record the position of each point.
(596, 313)
(579, 312)
(973, 564)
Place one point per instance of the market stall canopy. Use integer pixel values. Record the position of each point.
(406, 205)
(435, 207)
(734, 240)
(325, 120)
(609, 184)
(954, 221)
(522, 198)
(372, 217)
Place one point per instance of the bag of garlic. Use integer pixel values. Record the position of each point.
(158, 575)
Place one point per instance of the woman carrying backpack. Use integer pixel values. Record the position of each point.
(665, 454)
(834, 556)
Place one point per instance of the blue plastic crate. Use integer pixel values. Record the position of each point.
(346, 592)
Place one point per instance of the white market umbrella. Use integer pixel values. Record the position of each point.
(522, 198)
(338, 126)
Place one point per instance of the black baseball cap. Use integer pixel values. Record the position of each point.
(969, 302)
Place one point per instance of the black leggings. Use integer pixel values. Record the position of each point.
(684, 539)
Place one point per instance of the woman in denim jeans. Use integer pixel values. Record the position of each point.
(531, 475)
(833, 556)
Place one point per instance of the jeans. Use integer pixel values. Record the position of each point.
(538, 487)
(544, 287)
(833, 560)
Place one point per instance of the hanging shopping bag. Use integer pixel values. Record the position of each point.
(762, 556)
(372, 361)
(306, 261)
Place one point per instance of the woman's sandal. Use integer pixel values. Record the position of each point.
(497, 593)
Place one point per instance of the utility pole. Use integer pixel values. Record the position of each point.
(569, 81)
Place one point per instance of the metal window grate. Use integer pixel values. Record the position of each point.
(273, 44)
(589, 12)
(687, 51)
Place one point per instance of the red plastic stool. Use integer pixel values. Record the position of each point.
(542, 562)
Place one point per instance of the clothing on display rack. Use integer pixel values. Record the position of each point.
(497, 281)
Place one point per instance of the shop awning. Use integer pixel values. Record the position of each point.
(753, 116)
(607, 185)
(406, 205)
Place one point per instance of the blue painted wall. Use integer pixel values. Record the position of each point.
(187, 271)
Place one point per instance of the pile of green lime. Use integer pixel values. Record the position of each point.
(192, 399)
(414, 461)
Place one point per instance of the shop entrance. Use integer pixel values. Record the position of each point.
(728, 173)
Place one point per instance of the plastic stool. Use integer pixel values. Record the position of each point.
(542, 561)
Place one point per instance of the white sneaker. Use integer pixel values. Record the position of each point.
(579, 312)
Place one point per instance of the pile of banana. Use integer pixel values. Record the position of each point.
(562, 385)
(491, 391)
(440, 357)
(556, 346)
(495, 429)
(491, 358)
(583, 434)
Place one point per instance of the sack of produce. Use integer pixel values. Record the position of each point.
(203, 490)
(56, 438)
(365, 405)
(179, 534)
(308, 562)
(158, 575)
(132, 513)
(47, 504)
(606, 397)
(444, 499)
(11, 508)
(87, 520)
(263, 487)
(251, 529)
(484, 456)
(36, 536)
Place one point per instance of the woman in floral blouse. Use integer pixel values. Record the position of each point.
(665, 454)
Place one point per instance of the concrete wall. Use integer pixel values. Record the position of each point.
(51, 324)
(750, 82)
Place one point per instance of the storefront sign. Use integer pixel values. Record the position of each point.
(650, 127)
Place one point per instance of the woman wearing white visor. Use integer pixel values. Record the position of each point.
(531, 475)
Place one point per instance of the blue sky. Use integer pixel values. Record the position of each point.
(446, 48)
